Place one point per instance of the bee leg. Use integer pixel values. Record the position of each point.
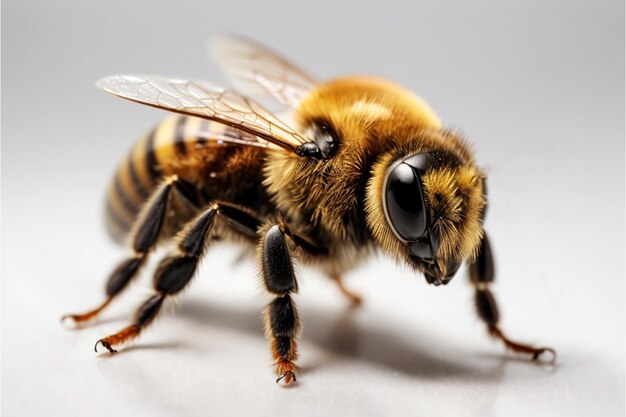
(281, 316)
(149, 226)
(482, 275)
(355, 299)
(176, 271)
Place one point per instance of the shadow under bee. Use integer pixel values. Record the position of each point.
(342, 335)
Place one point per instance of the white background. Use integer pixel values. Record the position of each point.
(539, 88)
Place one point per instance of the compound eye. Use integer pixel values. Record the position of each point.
(404, 201)
(326, 138)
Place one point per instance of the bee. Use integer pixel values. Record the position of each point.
(360, 165)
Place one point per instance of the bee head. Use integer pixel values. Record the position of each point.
(432, 205)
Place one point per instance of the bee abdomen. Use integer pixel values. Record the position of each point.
(186, 147)
(140, 172)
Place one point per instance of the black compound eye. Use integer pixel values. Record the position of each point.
(325, 137)
(404, 201)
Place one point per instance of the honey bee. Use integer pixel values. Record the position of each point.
(360, 165)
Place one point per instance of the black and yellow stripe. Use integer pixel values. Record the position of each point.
(151, 158)
(185, 146)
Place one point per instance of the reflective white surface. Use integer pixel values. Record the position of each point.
(537, 86)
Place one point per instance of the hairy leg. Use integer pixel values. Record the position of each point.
(281, 317)
(146, 233)
(176, 270)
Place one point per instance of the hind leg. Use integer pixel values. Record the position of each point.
(175, 271)
(147, 231)
(482, 275)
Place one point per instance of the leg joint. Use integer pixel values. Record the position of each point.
(239, 219)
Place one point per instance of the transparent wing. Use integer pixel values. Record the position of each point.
(256, 70)
(210, 133)
(200, 99)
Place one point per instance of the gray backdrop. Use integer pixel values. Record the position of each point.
(537, 85)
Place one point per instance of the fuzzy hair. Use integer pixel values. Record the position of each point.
(377, 122)
(327, 190)
(225, 171)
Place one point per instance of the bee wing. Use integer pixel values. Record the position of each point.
(200, 99)
(257, 70)
(210, 133)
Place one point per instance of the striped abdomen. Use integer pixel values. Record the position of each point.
(183, 146)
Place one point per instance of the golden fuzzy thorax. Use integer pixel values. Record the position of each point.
(377, 123)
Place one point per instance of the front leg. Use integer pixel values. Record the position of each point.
(281, 317)
(482, 275)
